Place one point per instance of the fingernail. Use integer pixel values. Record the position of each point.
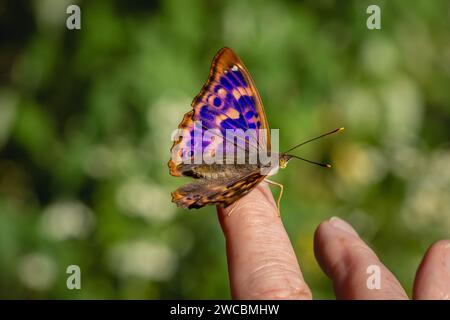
(447, 254)
(342, 225)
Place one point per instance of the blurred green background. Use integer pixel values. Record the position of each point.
(86, 117)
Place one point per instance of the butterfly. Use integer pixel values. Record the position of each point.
(228, 100)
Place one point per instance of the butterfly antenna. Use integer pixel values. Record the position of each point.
(310, 140)
(325, 165)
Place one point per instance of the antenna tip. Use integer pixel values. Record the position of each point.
(341, 129)
(328, 165)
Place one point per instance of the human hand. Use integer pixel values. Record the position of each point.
(262, 263)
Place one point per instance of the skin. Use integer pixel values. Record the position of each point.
(262, 263)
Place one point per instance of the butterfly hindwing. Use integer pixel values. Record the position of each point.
(216, 191)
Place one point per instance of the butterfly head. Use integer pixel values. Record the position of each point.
(283, 160)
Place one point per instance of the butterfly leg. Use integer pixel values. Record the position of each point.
(232, 209)
(281, 192)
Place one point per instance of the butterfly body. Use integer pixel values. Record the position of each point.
(217, 171)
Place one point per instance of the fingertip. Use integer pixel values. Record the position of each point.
(345, 258)
(438, 247)
(319, 235)
(330, 243)
(433, 275)
(332, 235)
(334, 224)
(342, 225)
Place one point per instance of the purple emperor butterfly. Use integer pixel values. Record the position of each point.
(228, 100)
